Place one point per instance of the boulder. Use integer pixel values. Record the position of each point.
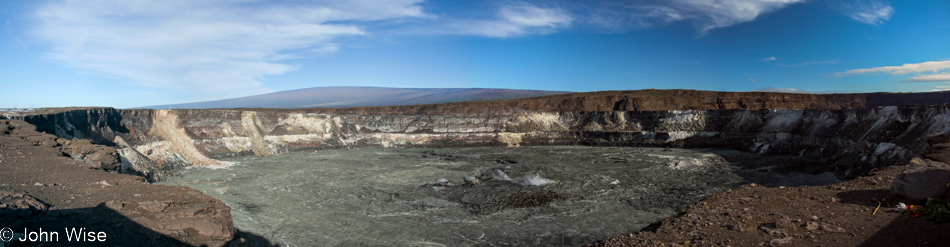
(921, 179)
(209, 224)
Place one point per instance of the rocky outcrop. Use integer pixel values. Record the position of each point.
(847, 131)
(93, 155)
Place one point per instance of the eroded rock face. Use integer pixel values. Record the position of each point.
(95, 124)
(134, 163)
(922, 179)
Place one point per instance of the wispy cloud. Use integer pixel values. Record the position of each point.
(784, 90)
(704, 14)
(926, 72)
(768, 59)
(933, 71)
(930, 78)
(206, 46)
(512, 20)
(802, 64)
(870, 12)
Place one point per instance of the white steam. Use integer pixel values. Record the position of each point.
(500, 175)
(528, 179)
(534, 180)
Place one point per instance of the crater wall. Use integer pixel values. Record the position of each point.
(852, 142)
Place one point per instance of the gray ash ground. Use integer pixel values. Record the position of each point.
(556, 195)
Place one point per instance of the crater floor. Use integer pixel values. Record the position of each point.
(530, 196)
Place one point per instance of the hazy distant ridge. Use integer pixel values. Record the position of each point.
(338, 97)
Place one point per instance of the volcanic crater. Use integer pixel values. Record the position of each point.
(778, 140)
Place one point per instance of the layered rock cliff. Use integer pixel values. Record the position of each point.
(850, 132)
(662, 100)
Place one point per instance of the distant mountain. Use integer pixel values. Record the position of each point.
(340, 97)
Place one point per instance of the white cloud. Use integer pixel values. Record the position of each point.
(513, 20)
(707, 15)
(716, 14)
(704, 14)
(910, 68)
(870, 12)
(785, 90)
(933, 71)
(795, 90)
(768, 59)
(930, 78)
(205, 46)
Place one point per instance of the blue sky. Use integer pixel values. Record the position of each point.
(138, 53)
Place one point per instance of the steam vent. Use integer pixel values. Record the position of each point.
(614, 168)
